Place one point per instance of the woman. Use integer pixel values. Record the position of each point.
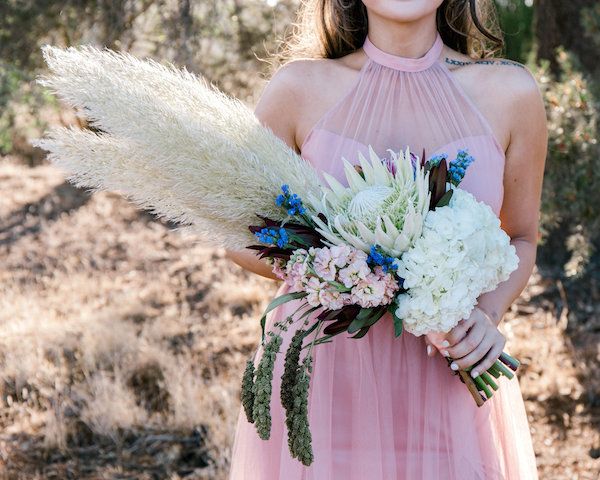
(399, 73)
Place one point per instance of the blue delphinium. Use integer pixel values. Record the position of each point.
(458, 168)
(436, 159)
(375, 258)
(273, 236)
(291, 202)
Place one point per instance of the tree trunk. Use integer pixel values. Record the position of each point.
(559, 23)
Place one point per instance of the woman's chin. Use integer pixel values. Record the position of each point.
(402, 10)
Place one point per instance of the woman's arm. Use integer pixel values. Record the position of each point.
(477, 340)
(278, 110)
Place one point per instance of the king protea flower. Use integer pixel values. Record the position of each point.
(377, 207)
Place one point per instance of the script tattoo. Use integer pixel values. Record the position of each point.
(462, 63)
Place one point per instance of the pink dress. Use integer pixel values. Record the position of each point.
(379, 407)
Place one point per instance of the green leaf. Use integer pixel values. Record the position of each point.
(373, 315)
(324, 339)
(308, 312)
(397, 320)
(445, 200)
(360, 320)
(276, 302)
(361, 333)
(340, 287)
(312, 327)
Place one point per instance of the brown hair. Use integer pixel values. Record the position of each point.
(334, 28)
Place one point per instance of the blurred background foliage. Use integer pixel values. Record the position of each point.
(229, 42)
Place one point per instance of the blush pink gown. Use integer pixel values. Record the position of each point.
(379, 407)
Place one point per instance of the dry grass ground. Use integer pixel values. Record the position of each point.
(122, 343)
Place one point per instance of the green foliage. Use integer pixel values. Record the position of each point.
(299, 436)
(590, 21)
(571, 192)
(247, 390)
(516, 20)
(263, 386)
(224, 41)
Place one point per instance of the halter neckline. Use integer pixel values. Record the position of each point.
(406, 64)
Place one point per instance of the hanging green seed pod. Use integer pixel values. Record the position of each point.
(300, 439)
(261, 409)
(290, 370)
(247, 392)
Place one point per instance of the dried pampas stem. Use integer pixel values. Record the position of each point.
(170, 142)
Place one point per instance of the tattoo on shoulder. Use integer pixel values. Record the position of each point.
(462, 63)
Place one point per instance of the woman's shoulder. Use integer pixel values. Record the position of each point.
(505, 91)
(304, 74)
(504, 78)
(301, 90)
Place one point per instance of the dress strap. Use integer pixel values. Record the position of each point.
(406, 64)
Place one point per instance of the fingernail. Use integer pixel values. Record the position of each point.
(445, 343)
(429, 350)
(445, 353)
(474, 373)
(454, 366)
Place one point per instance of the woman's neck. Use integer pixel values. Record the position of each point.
(405, 39)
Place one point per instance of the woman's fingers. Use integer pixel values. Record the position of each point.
(474, 356)
(469, 343)
(489, 359)
(460, 331)
(430, 347)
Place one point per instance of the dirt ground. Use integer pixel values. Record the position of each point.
(122, 343)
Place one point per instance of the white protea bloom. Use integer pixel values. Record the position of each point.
(385, 204)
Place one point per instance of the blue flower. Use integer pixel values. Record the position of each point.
(436, 159)
(273, 236)
(376, 258)
(291, 202)
(458, 168)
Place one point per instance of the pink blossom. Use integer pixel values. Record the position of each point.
(324, 264)
(355, 272)
(296, 270)
(357, 255)
(390, 282)
(340, 255)
(313, 287)
(331, 298)
(278, 269)
(369, 292)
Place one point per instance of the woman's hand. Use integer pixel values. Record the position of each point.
(474, 341)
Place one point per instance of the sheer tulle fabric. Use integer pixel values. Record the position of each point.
(379, 407)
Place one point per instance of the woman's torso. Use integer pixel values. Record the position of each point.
(390, 102)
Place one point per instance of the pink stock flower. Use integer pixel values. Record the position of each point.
(313, 287)
(354, 273)
(324, 264)
(369, 292)
(278, 269)
(296, 270)
(340, 255)
(391, 285)
(311, 271)
(332, 299)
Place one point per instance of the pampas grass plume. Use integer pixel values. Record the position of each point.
(170, 142)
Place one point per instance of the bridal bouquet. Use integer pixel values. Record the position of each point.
(397, 237)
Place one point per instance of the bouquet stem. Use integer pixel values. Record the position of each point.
(484, 381)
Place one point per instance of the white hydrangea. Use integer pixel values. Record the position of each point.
(461, 254)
